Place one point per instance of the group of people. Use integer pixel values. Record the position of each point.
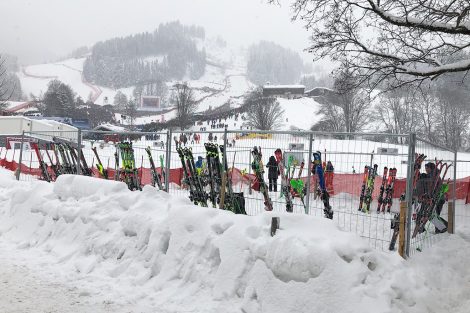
(184, 138)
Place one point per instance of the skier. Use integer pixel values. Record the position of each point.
(424, 185)
(273, 173)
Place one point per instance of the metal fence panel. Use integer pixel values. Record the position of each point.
(347, 153)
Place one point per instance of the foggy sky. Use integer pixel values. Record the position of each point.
(41, 30)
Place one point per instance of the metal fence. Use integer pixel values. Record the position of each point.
(346, 155)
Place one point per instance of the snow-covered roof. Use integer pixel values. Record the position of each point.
(110, 127)
(284, 86)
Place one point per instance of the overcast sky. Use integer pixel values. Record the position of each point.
(40, 30)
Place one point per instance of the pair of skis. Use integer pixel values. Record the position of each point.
(197, 193)
(258, 169)
(324, 195)
(103, 171)
(157, 178)
(298, 186)
(367, 188)
(285, 181)
(45, 175)
(385, 198)
(428, 203)
(395, 222)
(129, 173)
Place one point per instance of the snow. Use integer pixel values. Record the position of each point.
(35, 78)
(225, 72)
(100, 243)
(283, 86)
(301, 113)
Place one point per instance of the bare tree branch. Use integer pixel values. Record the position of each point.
(264, 113)
(185, 104)
(392, 41)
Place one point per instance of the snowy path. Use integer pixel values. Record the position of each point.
(26, 287)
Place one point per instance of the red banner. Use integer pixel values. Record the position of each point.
(335, 183)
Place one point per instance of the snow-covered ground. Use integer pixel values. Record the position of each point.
(98, 245)
(35, 78)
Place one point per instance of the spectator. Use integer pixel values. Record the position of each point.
(199, 165)
(329, 176)
(215, 138)
(210, 137)
(273, 173)
(329, 167)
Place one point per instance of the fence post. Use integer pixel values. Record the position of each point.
(309, 173)
(18, 170)
(225, 150)
(402, 228)
(409, 190)
(167, 161)
(250, 190)
(451, 206)
(79, 151)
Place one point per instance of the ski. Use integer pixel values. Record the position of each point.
(42, 165)
(285, 185)
(369, 188)
(129, 173)
(395, 222)
(103, 172)
(213, 168)
(363, 187)
(429, 202)
(298, 186)
(202, 195)
(164, 174)
(257, 166)
(156, 178)
(54, 165)
(233, 201)
(381, 198)
(388, 200)
(324, 196)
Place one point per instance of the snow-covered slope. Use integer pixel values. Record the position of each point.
(161, 251)
(225, 75)
(34, 80)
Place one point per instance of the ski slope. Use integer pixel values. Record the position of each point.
(225, 75)
(35, 78)
(149, 251)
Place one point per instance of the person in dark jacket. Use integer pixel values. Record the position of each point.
(273, 173)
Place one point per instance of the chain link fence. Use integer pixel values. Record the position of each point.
(346, 159)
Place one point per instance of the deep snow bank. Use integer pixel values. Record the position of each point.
(181, 255)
